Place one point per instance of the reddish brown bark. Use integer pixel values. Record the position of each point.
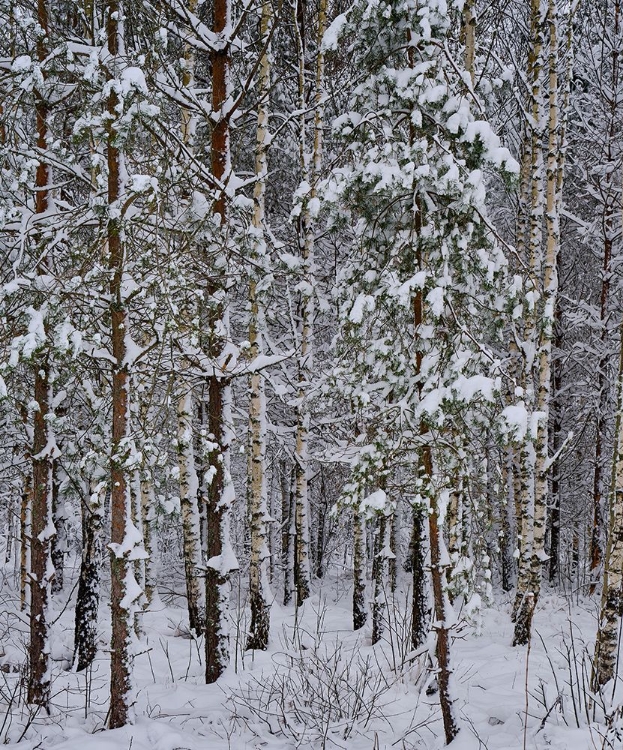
(220, 76)
(120, 683)
(216, 641)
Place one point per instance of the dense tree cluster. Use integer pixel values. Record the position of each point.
(305, 288)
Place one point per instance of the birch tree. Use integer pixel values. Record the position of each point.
(546, 196)
(611, 610)
(258, 584)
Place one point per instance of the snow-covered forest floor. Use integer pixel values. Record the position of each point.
(320, 684)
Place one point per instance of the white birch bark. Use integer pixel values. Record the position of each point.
(360, 612)
(189, 509)
(258, 579)
(607, 640)
(550, 293)
(533, 505)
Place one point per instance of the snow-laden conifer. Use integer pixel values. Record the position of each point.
(421, 290)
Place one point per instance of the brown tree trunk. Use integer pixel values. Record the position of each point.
(42, 527)
(219, 388)
(121, 567)
(442, 649)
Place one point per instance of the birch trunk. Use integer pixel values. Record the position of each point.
(532, 523)
(456, 584)
(607, 640)
(360, 611)
(190, 512)
(87, 600)
(554, 522)
(381, 570)
(59, 540)
(469, 37)
(150, 539)
(547, 318)
(258, 580)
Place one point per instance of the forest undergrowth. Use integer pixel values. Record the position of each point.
(319, 685)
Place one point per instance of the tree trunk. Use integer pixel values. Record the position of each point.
(124, 590)
(43, 447)
(87, 600)
(150, 538)
(609, 224)
(190, 512)
(607, 639)
(505, 539)
(306, 241)
(554, 539)
(547, 319)
(380, 574)
(440, 603)
(220, 555)
(42, 529)
(533, 452)
(419, 604)
(288, 534)
(220, 490)
(258, 580)
(469, 37)
(59, 540)
(360, 610)
(25, 516)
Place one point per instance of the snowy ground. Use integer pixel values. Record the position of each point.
(321, 685)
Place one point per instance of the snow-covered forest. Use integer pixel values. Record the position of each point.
(311, 374)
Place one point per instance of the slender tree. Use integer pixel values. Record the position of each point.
(43, 447)
(258, 510)
(221, 560)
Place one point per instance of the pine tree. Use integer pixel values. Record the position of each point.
(422, 269)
